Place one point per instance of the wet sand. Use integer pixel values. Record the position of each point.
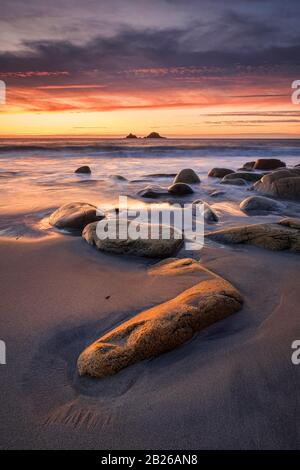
(232, 386)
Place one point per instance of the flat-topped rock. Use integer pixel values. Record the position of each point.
(161, 328)
(261, 204)
(219, 172)
(250, 177)
(166, 244)
(75, 215)
(284, 235)
(283, 184)
(180, 189)
(234, 181)
(85, 169)
(161, 175)
(187, 175)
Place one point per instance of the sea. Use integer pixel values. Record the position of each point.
(37, 174)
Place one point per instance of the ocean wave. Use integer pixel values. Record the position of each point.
(177, 148)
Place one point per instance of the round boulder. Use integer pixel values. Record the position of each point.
(261, 204)
(268, 164)
(180, 189)
(188, 176)
(124, 240)
(284, 184)
(219, 172)
(83, 169)
(75, 216)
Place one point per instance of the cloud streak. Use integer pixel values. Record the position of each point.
(138, 55)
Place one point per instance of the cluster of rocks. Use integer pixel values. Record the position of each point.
(179, 187)
(152, 135)
(239, 178)
(172, 323)
(271, 178)
(83, 217)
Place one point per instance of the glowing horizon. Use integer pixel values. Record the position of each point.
(149, 68)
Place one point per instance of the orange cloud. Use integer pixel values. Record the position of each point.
(29, 74)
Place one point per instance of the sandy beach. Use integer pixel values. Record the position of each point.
(232, 386)
(150, 230)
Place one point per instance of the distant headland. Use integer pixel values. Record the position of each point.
(152, 135)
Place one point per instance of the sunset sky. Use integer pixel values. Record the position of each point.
(183, 68)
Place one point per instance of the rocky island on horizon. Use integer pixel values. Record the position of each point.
(131, 136)
(152, 135)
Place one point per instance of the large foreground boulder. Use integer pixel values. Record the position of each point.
(268, 164)
(161, 328)
(187, 175)
(284, 184)
(83, 169)
(261, 204)
(219, 172)
(284, 235)
(167, 242)
(180, 189)
(75, 216)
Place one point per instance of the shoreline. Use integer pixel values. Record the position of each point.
(54, 296)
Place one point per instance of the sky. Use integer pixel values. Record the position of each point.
(193, 68)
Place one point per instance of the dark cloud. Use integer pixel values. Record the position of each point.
(241, 49)
(112, 59)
